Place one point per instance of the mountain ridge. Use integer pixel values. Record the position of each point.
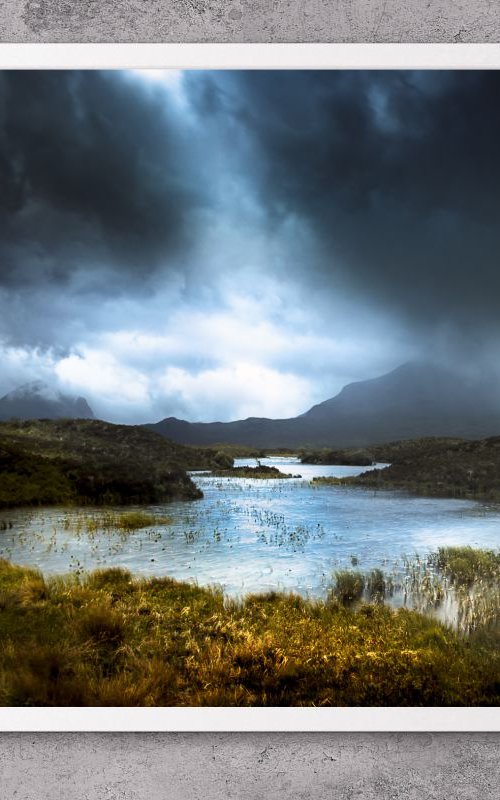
(38, 400)
(414, 400)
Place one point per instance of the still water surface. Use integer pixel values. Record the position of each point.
(254, 535)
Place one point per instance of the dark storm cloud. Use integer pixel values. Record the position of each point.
(95, 176)
(192, 236)
(397, 173)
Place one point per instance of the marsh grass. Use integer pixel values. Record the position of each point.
(109, 639)
(460, 585)
(110, 520)
(465, 565)
(377, 586)
(348, 587)
(474, 578)
(123, 522)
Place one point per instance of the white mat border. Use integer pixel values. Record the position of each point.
(250, 56)
(250, 719)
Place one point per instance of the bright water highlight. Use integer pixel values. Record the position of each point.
(252, 535)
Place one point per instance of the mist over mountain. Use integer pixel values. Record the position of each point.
(414, 400)
(215, 244)
(37, 400)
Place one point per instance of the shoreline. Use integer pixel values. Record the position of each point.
(107, 638)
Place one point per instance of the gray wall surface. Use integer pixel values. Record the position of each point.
(249, 766)
(215, 766)
(249, 21)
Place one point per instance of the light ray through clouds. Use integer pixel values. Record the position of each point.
(216, 245)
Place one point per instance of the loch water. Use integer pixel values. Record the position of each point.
(252, 535)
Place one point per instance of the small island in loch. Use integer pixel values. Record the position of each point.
(99, 637)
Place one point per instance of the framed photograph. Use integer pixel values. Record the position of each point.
(250, 389)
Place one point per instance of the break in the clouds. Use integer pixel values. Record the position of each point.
(214, 245)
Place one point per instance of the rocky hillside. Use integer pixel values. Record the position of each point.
(37, 400)
(414, 400)
(89, 461)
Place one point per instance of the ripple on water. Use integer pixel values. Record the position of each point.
(258, 535)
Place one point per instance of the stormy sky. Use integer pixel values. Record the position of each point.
(215, 245)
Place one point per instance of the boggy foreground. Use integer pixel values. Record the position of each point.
(109, 639)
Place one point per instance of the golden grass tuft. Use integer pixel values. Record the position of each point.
(124, 521)
(107, 639)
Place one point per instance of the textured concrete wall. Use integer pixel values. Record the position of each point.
(220, 766)
(249, 20)
(251, 766)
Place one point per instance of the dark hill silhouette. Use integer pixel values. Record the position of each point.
(37, 400)
(414, 400)
(88, 461)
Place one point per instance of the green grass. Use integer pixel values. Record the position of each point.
(90, 462)
(122, 521)
(348, 457)
(108, 639)
(233, 451)
(439, 467)
(466, 565)
(330, 480)
(377, 585)
(433, 466)
(30, 480)
(349, 586)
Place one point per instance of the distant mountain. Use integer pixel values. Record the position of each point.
(412, 401)
(37, 400)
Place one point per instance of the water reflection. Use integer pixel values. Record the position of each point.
(253, 535)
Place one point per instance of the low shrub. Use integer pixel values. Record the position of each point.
(349, 586)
